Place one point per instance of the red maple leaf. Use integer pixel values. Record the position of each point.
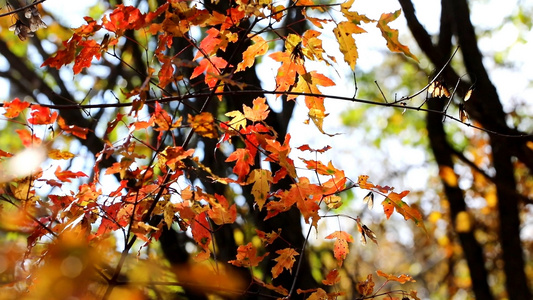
(66, 175)
(244, 160)
(14, 108)
(41, 115)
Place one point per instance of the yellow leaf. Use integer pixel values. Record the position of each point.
(238, 120)
(391, 35)
(261, 180)
(58, 154)
(343, 33)
(260, 47)
(447, 175)
(463, 222)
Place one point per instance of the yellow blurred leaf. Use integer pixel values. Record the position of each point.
(447, 175)
(58, 154)
(463, 222)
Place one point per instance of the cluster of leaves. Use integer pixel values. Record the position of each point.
(152, 173)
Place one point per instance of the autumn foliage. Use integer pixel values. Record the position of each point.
(89, 228)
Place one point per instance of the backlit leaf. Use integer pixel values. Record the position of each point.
(391, 35)
(243, 160)
(258, 48)
(14, 108)
(259, 111)
(66, 175)
(341, 248)
(247, 257)
(41, 115)
(343, 32)
(261, 180)
(401, 278)
(285, 260)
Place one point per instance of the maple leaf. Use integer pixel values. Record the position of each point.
(285, 260)
(259, 111)
(173, 157)
(27, 138)
(247, 257)
(401, 278)
(41, 115)
(220, 212)
(212, 65)
(394, 201)
(363, 183)
(366, 288)
(58, 154)
(278, 289)
(261, 180)
(65, 176)
(332, 278)
(204, 125)
(391, 35)
(238, 122)
(166, 72)
(89, 50)
(72, 129)
(14, 108)
(280, 154)
(320, 167)
(244, 160)
(340, 247)
(268, 238)
(260, 47)
(65, 56)
(307, 148)
(123, 18)
(200, 231)
(343, 32)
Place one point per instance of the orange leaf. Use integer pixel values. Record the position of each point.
(244, 161)
(213, 65)
(401, 278)
(332, 278)
(391, 35)
(72, 129)
(65, 56)
(341, 249)
(14, 108)
(268, 238)
(260, 47)
(65, 176)
(41, 115)
(27, 138)
(285, 260)
(221, 213)
(89, 49)
(200, 231)
(247, 257)
(366, 288)
(259, 112)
